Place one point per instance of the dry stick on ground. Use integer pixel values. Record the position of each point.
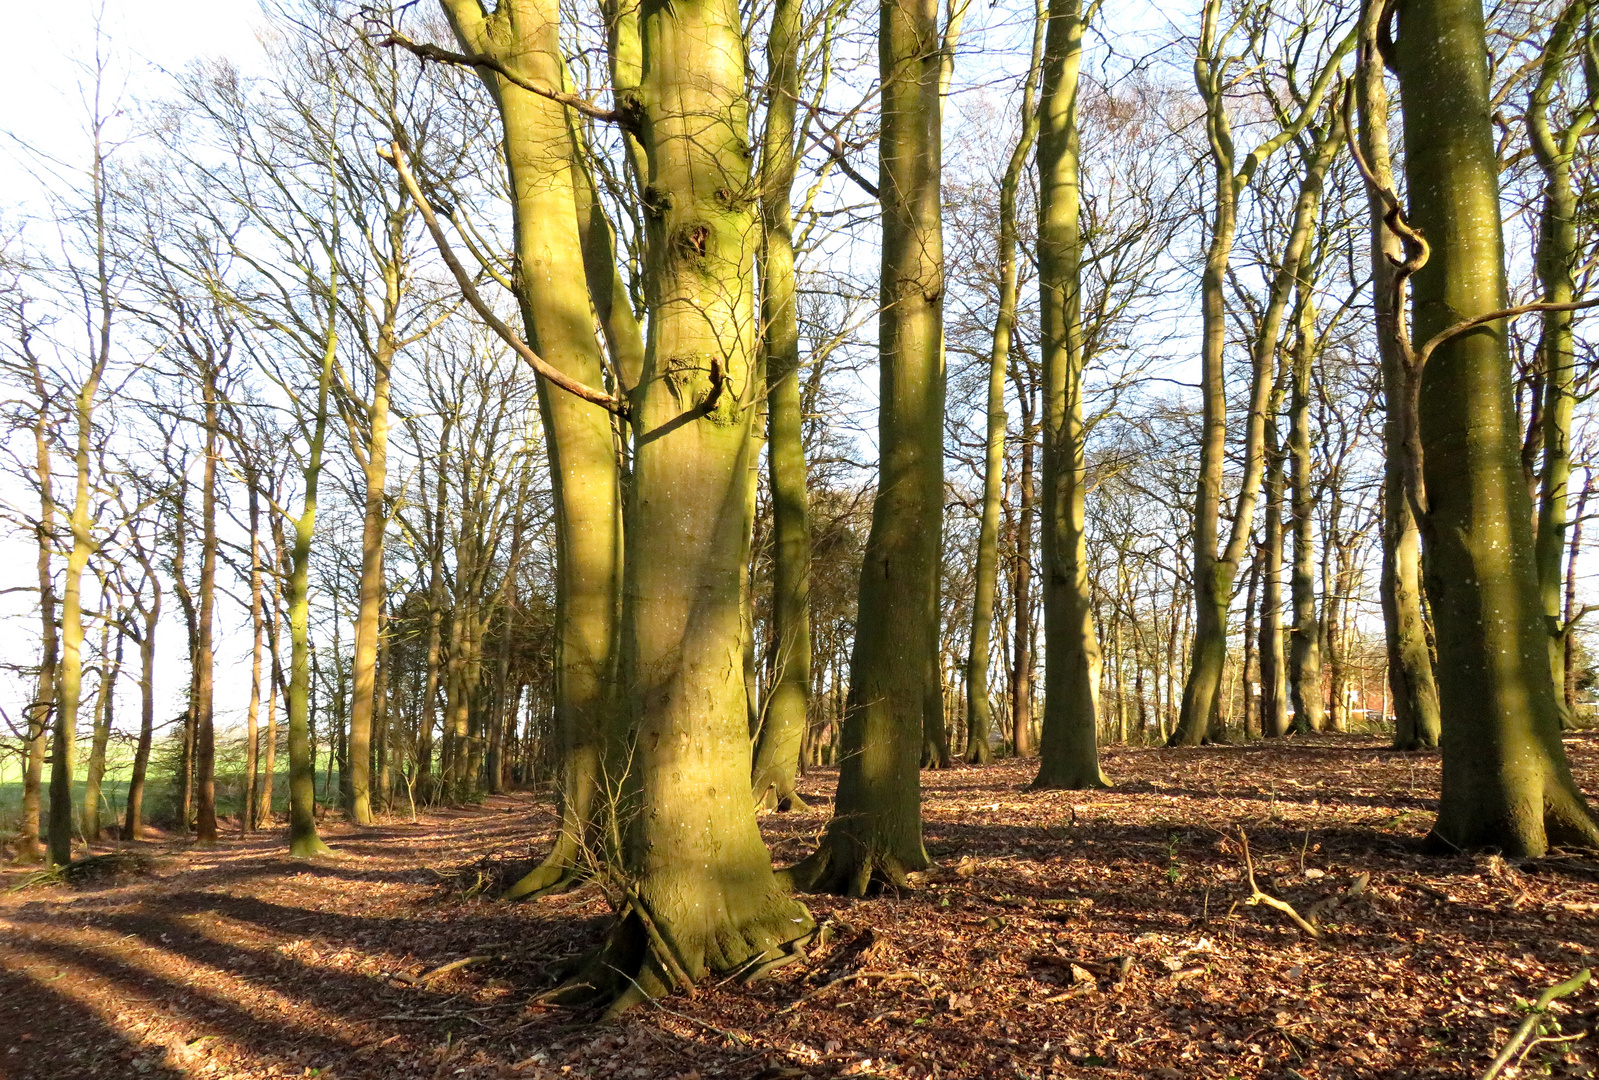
(1257, 897)
(1535, 1018)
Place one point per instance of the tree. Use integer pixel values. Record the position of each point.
(1215, 570)
(875, 834)
(1069, 755)
(1506, 782)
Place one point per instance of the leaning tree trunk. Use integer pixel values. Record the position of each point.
(555, 299)
(1506, 782)
(875, 834)
(1410, 676)
(701, 895)
(133, 820)
(1068, 747)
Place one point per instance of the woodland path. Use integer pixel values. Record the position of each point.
(239, 962)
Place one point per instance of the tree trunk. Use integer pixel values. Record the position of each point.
(1410, 676)
(555, 296)
(1273, 662)
(30, 849)
(1021, 682)
(205, 757)
(979, 709)
(1506, 783)
(702, 897)
(252, 716)
(1558, 255)
(875, 834)
(1068, 750)
(110, 668)
(374, 521)
(303, 839)
(133, 821)
(1304, 657)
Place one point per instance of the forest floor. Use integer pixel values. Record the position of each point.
(1067, 934)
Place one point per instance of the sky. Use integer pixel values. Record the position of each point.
(40, 99)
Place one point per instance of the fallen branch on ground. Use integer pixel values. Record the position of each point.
(1536, 1016)
(1256, 897)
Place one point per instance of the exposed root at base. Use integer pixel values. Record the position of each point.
(864, 872)
(638, 962)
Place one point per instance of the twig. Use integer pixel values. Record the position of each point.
(1535, 1019)
(425, 52)
(445, 969)
(1257, 897)
(886, 976)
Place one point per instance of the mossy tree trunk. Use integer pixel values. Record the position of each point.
(29, 846)
(701, 895)
(554, 291)
(1304, 638)
(875, 834)
(1506, 782)
(979, 708)
(783, 726)
(1068, 750)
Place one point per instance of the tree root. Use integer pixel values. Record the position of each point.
(642, 960)
(864, 873)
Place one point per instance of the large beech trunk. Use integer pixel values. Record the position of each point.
(1068, 747)
(701, 897)
(548, 187)
(875, 834)
(1506, 782)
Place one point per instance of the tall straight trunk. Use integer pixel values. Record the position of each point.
(1021, 681)
(1214, 571)
(204, 674)
(1304, 639)
(702, 897)
(555, 297)
(94, 782)
(30, 848)
(1246, 720)
(303, 839)
(1410, 675)
(979, 709)
(278, 686)
(1558, 254)
(1570, 686)
(1068, 751)
(252, 715)
(191, 622)
(1506, 782)
(369, 610)
(133, 819)
(427, 715)
(875, 834)
(1273, 661)
(382, 719)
